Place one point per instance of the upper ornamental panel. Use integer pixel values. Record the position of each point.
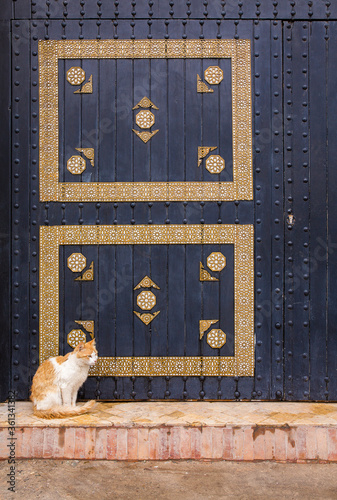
(136, 120)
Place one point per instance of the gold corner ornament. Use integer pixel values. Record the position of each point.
(86, 87)
(145, 136)
(203, 152)
(145, 103)
(205, 324)
(204, 275)
(202, 88)
(52, 51)
(146, 282)
(88, 153)
(88, 325)
(146, 318)
(88, 275)
(240, 236)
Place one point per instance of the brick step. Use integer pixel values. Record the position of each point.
(294, 432)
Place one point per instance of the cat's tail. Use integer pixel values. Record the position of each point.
(65, 411)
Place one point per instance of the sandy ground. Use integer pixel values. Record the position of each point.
(188, 480)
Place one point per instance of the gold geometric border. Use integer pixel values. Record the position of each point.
(241, 236)
(50, 51)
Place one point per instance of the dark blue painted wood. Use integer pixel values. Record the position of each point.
(330, 244)
(5, 223)
(293, 360)
(318, 209)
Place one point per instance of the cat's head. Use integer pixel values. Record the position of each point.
(87, 352)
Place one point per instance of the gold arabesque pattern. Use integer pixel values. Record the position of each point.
(241, 236)
(50, 51)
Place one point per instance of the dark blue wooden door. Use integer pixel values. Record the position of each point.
(172, 197)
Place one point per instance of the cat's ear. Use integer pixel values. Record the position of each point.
(80, 346)
(93, 341)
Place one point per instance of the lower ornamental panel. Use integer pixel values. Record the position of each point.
(147, 301)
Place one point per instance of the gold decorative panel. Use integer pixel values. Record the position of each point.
(241, 236)
(51, 51)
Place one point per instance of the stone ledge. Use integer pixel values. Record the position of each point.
(293, 432)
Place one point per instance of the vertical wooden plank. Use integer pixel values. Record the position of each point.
(277, 228)
(331, 253)
(5, 177)
(262, 194)
(318, 47)
(296, 238)
(192, 210)
(21, 222)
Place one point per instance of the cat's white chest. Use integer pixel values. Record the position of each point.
(70, 373)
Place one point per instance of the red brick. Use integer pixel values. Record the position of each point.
(79, 443)
(143, 443)
(291, 444)
(311, 443)
(322, 443)
(258, 439)
(206, 442)
(217, 442)
(111, 444)
(90, 439)
(19, 439)
(132, 444)
(269, 443)
(248, 445)
(332, 444)
(122, 445)
(49, 437)
(280, 444)
(100, 444)
(154, 444)
(164, 448)
(238, 442)
(27, 445)
(69, 442)
(185, 442)
(227, 444)
(37, 442)
(195, 443)
(175, 443)
(301, 443)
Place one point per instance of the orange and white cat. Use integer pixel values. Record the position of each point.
(57, 381)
